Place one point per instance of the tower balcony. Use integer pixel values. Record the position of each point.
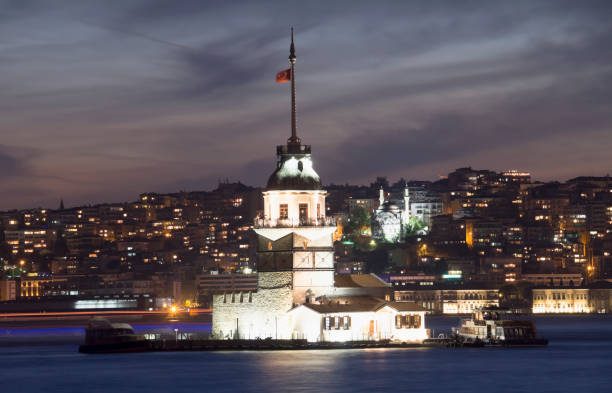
(294, 223)
(292, 149)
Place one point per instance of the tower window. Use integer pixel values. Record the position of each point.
(303, 208)
(284, 211)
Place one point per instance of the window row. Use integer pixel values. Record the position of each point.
(407, 321)
(562, 296)
(302, 209)
(337, 323)
(238, 297)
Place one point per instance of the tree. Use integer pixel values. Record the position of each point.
(414, 227)
(359, 222)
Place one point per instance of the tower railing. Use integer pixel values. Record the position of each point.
(294, 223)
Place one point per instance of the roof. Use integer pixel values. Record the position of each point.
(359, 281)
(406, 306)
(388, 206)
(349, 304)
(100, 323)
(360, 304)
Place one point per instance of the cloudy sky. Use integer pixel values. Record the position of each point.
(100, 100)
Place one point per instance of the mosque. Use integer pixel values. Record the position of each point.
(390, 221)
(298, 296)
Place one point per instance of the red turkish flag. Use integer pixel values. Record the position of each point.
(283, 76)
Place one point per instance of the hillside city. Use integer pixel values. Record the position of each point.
(473, 238)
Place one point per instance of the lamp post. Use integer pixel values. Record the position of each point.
(176, 334)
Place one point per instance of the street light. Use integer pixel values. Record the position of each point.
(176, 334)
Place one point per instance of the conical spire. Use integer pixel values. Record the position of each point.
(293, 140)
(292, 49)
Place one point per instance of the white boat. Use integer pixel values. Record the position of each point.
(494, 326)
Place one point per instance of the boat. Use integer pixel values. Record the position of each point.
(494, 326)
(102, 336)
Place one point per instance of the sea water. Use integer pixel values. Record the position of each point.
(578, 359)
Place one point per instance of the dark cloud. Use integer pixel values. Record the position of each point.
(9, 165)
(102, 102)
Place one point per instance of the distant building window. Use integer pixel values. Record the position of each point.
(284, 211)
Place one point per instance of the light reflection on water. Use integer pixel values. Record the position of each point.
(577, 360)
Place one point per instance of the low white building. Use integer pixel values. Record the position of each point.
(358, 318)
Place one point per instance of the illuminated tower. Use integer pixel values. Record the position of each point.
(294, 235)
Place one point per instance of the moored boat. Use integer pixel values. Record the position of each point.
(493, 326)
(102, 336)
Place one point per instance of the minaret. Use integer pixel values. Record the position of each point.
(381, 196)
(407, 203)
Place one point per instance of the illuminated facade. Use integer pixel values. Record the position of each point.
(561, 300)
(450, 301)
(359, 319)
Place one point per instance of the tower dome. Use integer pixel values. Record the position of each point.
(294, 170)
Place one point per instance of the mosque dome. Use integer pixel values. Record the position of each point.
(387, 206)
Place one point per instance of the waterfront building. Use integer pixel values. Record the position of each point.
(8, 290)
(359, 319)
(461, 300)
(561, 300)
(40, 286)
(600, 297)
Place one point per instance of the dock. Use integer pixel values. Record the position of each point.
(167, 345)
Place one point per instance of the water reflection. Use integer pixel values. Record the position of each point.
(576, 360)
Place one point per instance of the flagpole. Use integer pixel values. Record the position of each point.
(294, 139)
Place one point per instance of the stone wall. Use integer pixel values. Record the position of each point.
(261, 314)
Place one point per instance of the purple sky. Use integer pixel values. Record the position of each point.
(100, 101)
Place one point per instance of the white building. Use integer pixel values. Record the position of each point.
(560, 300)
(296, 296)
(357, 319)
